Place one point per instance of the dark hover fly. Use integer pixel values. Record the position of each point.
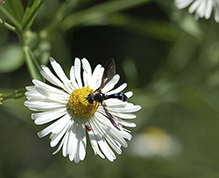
(109, 73)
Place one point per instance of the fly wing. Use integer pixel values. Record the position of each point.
(112, 119)
(109, 72)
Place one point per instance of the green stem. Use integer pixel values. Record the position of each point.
(30, 64)
(34, 60)
(17, 94)
(10, 17)
(29, 56)
(8, 26)
(29, 60)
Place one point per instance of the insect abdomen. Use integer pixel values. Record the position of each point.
(120, 96)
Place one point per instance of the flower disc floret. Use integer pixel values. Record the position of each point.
(80, 106)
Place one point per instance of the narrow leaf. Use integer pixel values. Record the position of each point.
(99, 11)
(10, 17)
(15, 7)
(31, 12)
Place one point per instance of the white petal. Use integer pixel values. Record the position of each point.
(115, 103)
(48, 75)
(208, 9)
(55, 127)
(127, 124)
(216, 12)
(182, 3)
(78, 72)
(85, 79)
(119, 89)
(94, 145)
(129, 94)
(72, 81)
(129, 109)
(74, 141)
(49, 88)
(201, 9)
(43, 105)
(86, 65)
(77, 156)
(48, 116)
(59, 71)
(216, 17)
(60, 146)
(81, 136)
(107, 150)
(51, 96)
(103, 144)
(55, 138)
(87, 71)
(194, 6)
(66, 141)
(111, 84)
(83, 144)
(71, 144)
(116, 112)
(33, 94)
(95, 81)
(114, 144)
(124, 116)
(111, 130)
(51, 92)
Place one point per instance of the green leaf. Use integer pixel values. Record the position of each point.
(99, 12)
(15, 7)
(11, 58)
(31, 12)
(10, 17)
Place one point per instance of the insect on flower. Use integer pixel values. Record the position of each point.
(75, 113)
(98, 96)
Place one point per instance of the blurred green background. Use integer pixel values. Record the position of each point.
(170, 62)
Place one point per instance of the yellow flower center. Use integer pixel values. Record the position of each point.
(79, 105)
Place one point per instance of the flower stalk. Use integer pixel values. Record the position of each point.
(8, 26)
(16, 95)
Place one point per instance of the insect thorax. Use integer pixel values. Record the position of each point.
(99, 97)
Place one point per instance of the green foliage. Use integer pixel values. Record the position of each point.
(16, 9)
(30, 14)
(169, 60)
(97, 13)
(11, 58)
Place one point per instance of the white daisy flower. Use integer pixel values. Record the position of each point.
(201, 8)
(72, 118)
